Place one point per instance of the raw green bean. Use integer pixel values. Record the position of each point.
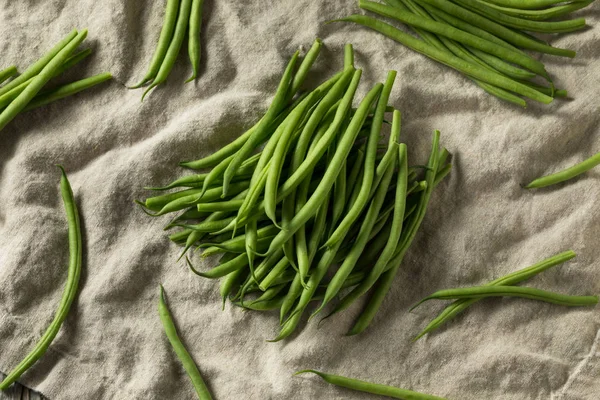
(251, 244)
(172, 52)
(290, 298)
(527, 5)
(35, 68)
(456, 34)
(469, 69)
(164, 40)
(305, 65)
(7, 73)
(18, 104)
(277, 270)
(566, 174)
(511, 279)
(228, 282)
(348, 56)
(237, 246)
(373, 388)
(221, 270)
(369, 168)
(480, 292)
(66, 90)
(339, 196)
(70, 291)
(545, 14)
(341, 153)
(521, 23)
(184, 356)
(515, 38)
(180, 236)
(194, 37)
(261, 130)
(355, 176)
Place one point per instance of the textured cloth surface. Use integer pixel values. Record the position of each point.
(480, 224)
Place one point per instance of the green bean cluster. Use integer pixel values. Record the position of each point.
(483, 39)
(23, 91)
(181, 17)
(70, 291)
(503, 286)
(307, 189)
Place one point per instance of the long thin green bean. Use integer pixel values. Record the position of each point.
(566, 174)
(8, 73)
(70, 291)
(184, 356)
(194, 37)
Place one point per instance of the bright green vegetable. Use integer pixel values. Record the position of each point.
(70, 291)
(184, 356)
(7, 73)
(194, 37)
(566, 174)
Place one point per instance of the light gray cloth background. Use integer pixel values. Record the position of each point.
(480, 225)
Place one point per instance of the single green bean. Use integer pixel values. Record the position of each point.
(545, 14)
(480, 292)
(348, 56)
(277, 270)
(305, 65)
(221, 270)
(70, 291)
(194, 37)
(172, 52)
(228, 282)
(527, 5)
(7, 73)
(373, 388)
(291, 296)
(66, 90)
(184, 356)
(566, 174)
(166, 35)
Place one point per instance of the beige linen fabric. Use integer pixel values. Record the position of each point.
(480, 225)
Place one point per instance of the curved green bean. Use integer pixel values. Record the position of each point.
(184, 356)
(194, 37)
(566, 174)
(305, 65)
(527, 5)
(511, 279)
(70, 291)
(221, 270)
(174, 46)
(373, 388)
(164, 40)
(7, 73)
(545, 14)
(480, 292)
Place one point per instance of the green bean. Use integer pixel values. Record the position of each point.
(373, 388)
(18, 104)
(511, 279)
(290, 298)
(566, 174)
(480, 292)
(456, 34)
(542, 15)
(194, 37)
(348, 56)
(210, 226)
(239, 262)
(184, 356)
(341, 153)
(392, 243)
(269, 294)
(7, 73)
(67, 90)
(524, 24)
(238, 246)
(494, 28)
(527, 5)
(261, 130)
(251, 243)
(385, 281)
(339, 196)
(281, 149)
(180, 236)
(277, 270)
(267, 305)
(369, 168)
(349, 263)
(35, 68)
(164, 40)
(305, 65)
(228, 283)
(355, 176)
(70, 291)
(170, 55)
(452, 61)
(261, 271)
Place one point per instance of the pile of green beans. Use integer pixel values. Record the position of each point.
(305, 190)
(483, 39)
(503, 286)
(24, 91)
(373, 388)
(181, 17)
(70, 291)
